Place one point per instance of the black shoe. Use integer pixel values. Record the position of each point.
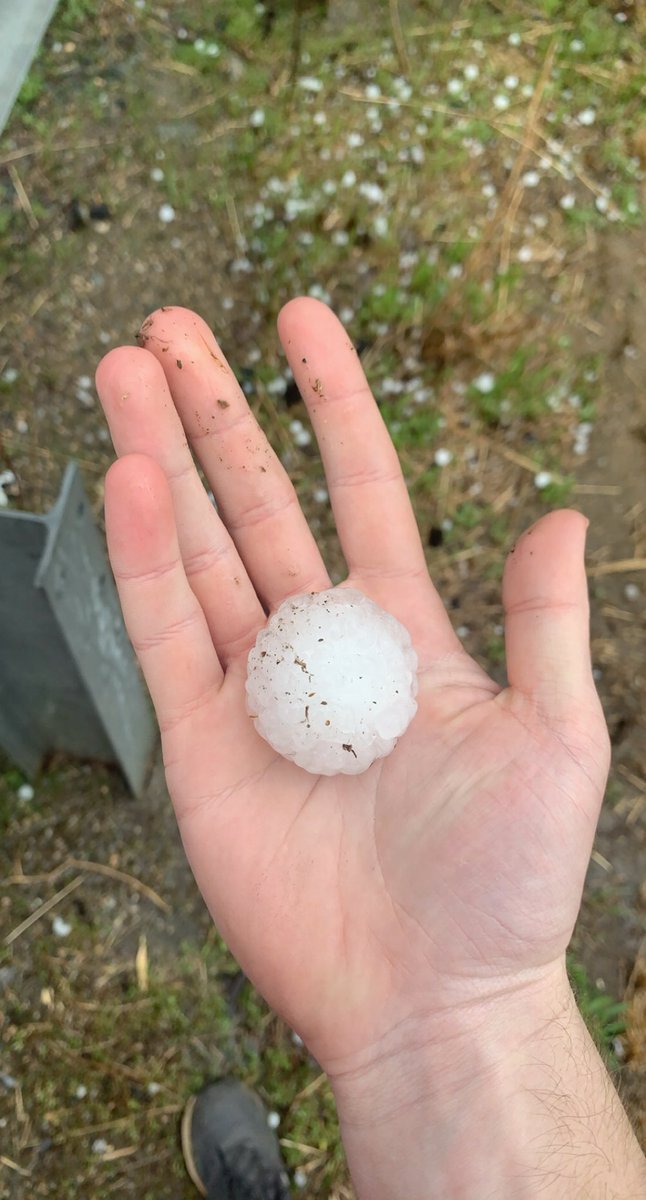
(229, 1150)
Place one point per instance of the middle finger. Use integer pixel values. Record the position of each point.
(254, 493)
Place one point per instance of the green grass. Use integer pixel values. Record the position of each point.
(603, 1014)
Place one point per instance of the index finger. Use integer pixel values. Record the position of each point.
(372, 509)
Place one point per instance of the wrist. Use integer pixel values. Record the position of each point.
(492, 1100)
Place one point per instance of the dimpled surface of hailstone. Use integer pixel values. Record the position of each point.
(331, 681)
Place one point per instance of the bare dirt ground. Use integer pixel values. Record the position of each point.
(105, 1031)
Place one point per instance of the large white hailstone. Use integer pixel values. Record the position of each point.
(331, 681)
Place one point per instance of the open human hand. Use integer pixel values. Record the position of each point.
(449, 873)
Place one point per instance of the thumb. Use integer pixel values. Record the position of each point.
(547, 615)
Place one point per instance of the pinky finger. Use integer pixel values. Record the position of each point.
(165, 622)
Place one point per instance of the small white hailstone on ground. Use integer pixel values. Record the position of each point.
(568, 201)
(621, 18)
(277, 386)
(310, 83)
(542, 480)
(321, 495)
(629, 352)
(576, 46)
(501, 101)
(22, 426)
(25, 793)
(9, 375)
(511, 82)
(300, 1178)
(331, 681)
(319, 293)
(631, 591)
(349, 179)
(488, 191)
(380, 226)
(80, 1092)
(156, 174)
(601, 204)
(297, 1040)
(525, 254)
(530, 179)
(485, 383)
(442, 457)
(463, 631)
(100, 1146)
(471, 72)
(84, 382)
(455, 271)
(273, 1120)
(587, 116)
(300, 434)
(61, 927)
(346, 314)
(454, 87)
(354, 139)
(373, 91)
(153, 1088)
(514, 39)
(582, 437)
(417, 155)
(257, 118)
(166, 214)
(372, 192)
(340, 237)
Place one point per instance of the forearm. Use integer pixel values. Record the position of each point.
(512, 1104)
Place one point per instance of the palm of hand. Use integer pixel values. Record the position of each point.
(447, 872)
